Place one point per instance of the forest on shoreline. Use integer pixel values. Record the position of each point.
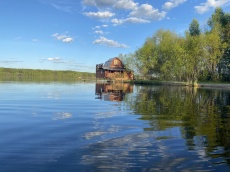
(198, 55)
(9, 74)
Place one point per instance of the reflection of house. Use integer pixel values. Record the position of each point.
(112, 92)
(113, 69)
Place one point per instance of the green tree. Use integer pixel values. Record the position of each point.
(194, 57)
(219, 24)
(217, 19)
(225, 59)
(170, 55)
(146, 57)
(214, 49)
(194, 28)
(161, 56)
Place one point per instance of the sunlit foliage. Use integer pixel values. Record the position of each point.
(196, 56)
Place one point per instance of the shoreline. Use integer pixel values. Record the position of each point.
(174, 83)
(203, 85)
(137, 82)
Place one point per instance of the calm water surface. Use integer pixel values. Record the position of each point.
(89, 127)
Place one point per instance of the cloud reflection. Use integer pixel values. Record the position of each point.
(143, 151)
(62, 115)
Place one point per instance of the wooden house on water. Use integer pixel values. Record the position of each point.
(113, 69)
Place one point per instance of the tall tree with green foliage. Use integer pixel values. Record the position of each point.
(214, 49)
(130, 62)
(194, 28)
(194, 52)
(170, 55)
(218, 38)
(217, 19)
(146, 57)
(225, 61)
(194, 57)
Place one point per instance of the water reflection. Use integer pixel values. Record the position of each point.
(154, 128)
(189, 129)
(62, 115)
(144, 152)
(112, 91)
(202, 114)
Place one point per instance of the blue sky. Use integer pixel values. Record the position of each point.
(78, 34)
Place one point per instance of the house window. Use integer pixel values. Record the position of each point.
(116, 62)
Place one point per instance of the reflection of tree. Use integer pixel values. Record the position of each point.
(199, 112)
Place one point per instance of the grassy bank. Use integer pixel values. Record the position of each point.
(215, 84)
(174, 83)
(155, 82)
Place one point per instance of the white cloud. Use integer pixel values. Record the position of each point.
(172, 4)
(110, 43)
(99, 32)
(148, 12)
(143, 13)
(100, 15)
(63, 38)
(126, 4)
(68, 40)
(119, 4)
(128, 20)
(53, 58)
(204, 7)
(59, 37)
(99, 3)
(99, 27)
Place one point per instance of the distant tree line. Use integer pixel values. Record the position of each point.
(199, 55)
(7, 74)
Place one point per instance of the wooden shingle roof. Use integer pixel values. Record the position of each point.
(114, 64)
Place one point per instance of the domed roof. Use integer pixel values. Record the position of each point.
(114, 64)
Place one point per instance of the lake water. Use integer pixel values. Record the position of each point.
(89, 127)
